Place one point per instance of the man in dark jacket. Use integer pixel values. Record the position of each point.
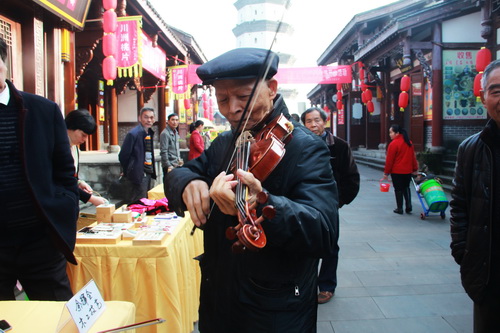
(345, 172)
(137, 156)
(274, 289)
(38, 194)
(475, 210)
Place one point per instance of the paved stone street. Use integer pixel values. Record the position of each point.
(396, 274)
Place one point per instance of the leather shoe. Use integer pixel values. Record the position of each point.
(398, 211)
(324, 297)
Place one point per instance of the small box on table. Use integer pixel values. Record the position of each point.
(105, 212)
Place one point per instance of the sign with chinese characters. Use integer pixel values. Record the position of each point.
(459, 70)
(128, 60)
(156, 57)
(72, 11)
(179, 79)
(298, 75)
(86, 306)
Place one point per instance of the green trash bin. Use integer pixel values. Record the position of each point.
(434, 196)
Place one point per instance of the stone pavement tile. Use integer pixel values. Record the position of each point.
(424, 305)
(349, 308)
(437, 262)
(407, 247)
(404, 278)
(357, 250)
(462, 323)
(348, 279)
(363, 264)
(365, 235)
(324, 327)
(400, 325)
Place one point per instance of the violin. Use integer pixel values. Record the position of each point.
(258, 154)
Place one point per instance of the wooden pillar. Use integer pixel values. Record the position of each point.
(113, 121)
(162, 116)
(386, 104)
(437, 88)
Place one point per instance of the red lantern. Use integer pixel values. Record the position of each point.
(340, 106)
(187, 103)
(109, 4)
(368, 94)
(109, 45)
(405, 83)
(477, 84)
(403, 101)
(109, 68)
(205, 105)
(327, 109)
(364, 86)
(483, 58)
(339, 95)
(109, 23)
(204, 97)
(370, 107)
(339, 86)
(363, 97)
(361, 74)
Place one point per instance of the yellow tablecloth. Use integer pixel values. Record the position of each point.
(38, 316)
(156, 193)
(162, 280)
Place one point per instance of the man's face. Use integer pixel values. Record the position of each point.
(77, 137)
(232, 97)
(314, 122)
(490, 96)
(3, 75)
(173, 122)
(147, 119)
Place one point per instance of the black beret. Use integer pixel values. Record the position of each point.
(241, 63)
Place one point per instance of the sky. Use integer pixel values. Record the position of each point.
(316, 24)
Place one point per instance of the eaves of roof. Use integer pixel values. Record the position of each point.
(360, 19)
(147, 7)
(191, 43)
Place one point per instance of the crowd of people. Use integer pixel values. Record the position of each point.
(274, 287)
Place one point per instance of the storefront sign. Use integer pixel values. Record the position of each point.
(179, 79)
(128, 60)
(72, 11)
(459, 71)
(156, 58)
(340, 117)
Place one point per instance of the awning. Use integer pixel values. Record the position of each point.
(74, 12)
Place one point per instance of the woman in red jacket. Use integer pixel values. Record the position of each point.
(400, 163)
(196, 144)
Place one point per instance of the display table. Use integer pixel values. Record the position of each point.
(156, 193)
(161, 280)
(39, 316)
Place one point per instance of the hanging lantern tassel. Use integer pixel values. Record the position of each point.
(403, 96)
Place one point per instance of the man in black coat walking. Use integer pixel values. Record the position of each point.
(274, 289)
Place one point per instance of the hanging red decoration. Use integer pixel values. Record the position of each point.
(109, 4)
(339, 95)
(403, 101)
(339, 86)
(368, 94)
(483, 58)
(109, 68)
(205, 105)
(370, 107)
(187, 103)
(363, 97)
(109, 45)
(109, 22)
(327, 109)
(405, 83)
(204, 97)
(361, 74)
(364, 86)
(340, 106)
(477, 84)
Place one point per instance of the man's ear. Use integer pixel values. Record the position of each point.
(481, 94)
(273, 87)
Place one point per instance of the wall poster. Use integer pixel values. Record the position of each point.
(459, 71)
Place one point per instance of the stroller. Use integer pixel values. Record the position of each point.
(431, 195)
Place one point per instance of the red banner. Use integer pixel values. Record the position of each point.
(317, 75)
(128, 59)
(155, 60)
(179, 79)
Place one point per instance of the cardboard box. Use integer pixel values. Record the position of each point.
(122, 215)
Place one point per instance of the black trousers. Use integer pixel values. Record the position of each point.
(401, 181)
(486, 314)
(40, 268)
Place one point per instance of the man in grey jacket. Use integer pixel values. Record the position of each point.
(169, 145)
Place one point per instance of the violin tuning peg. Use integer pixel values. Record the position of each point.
(262, 197)
(269, 212)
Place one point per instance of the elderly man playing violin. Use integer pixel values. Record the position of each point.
(259, 266)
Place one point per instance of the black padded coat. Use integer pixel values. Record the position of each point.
(273, 290)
